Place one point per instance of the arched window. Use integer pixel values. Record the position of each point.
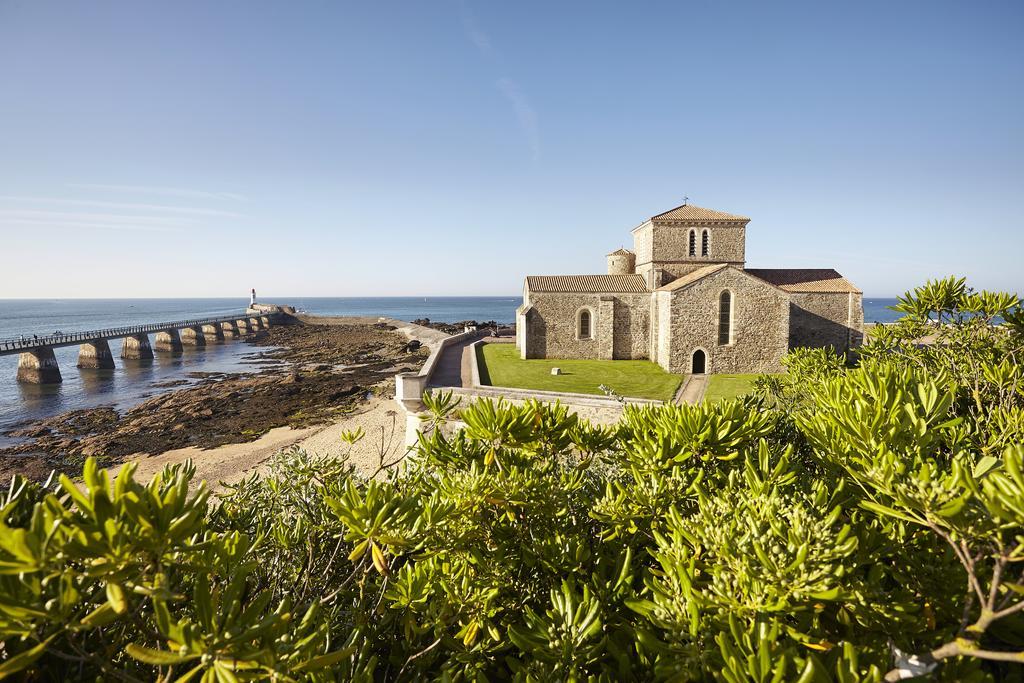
(704, 243)
(583, 325)
(693, 243)
(725, 318)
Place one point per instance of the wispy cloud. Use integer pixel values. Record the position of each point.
(525, 113)
(22, 218)
(162, 191)
(524, 110)
(476, 35)
(35, 224)
(128, 206)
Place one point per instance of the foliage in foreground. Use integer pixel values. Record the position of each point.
(844, 524)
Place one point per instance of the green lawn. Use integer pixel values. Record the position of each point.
(501, 366)
(728, 386)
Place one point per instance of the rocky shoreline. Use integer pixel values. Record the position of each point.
(317, 371)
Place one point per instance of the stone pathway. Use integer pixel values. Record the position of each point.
(693, 389)
(449, 370)
(455, 367)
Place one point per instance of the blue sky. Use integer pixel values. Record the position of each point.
(447, 148)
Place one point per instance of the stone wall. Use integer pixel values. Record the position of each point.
(760, 335)
(620, 323)
(666, 247)
(819, 319)
(643, 243)
(661, 344)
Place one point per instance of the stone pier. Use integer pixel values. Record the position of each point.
(265, 320)
(230, 329)
(96, 355)
(193, 336)
(168, 341)
(243, 326)
(38, 367)
(213, 333)
(255, 324)
(136, 347)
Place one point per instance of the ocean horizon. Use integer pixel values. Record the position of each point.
(47, 315)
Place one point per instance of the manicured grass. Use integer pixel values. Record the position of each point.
(501, 366)
(721, 387)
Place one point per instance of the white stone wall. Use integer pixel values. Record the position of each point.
(662, 342)
(643, 243)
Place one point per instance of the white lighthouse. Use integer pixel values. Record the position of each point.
(252, 298)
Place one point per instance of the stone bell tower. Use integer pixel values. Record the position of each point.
(686, 238)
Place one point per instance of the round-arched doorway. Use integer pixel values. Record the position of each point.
(698, 364)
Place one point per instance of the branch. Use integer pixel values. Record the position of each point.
(965, 560)
(419, 654)
(1019, 607)
(953, 649)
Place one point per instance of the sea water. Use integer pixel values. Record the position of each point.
(133, 381)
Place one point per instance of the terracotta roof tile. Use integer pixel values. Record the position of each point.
(804, 279)
(698, 214)
(587, 284)
(690, 278)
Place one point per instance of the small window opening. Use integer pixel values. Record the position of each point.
(725, 318)
(693, 243)
(704, 243)
(584, 324)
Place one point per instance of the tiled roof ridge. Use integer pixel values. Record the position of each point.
(805, 280)
(623, 284)
(692, 212)
(692, 276)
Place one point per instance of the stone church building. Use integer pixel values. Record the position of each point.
(684, 298)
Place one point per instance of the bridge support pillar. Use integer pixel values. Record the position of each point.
(265, 320)
(243, 326)
(213, 333)
(193, 336)
(38, 367)
(230, 329)
(96, 355)
(168, 340)
(137, 347)
(255, 324)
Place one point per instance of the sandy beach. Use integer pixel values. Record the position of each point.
(379, 418)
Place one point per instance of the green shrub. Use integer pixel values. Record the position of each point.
(826, 529)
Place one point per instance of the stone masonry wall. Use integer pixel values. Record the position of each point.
(819, 319)
(621, 324)
(760, 314)
(662, 342)
(671, 244)
(643, 242)
(632, 326)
